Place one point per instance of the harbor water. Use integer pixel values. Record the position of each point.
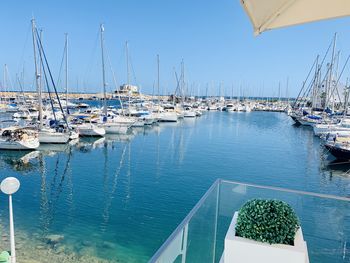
(118, 198)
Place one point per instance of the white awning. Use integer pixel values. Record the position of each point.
(270, 14)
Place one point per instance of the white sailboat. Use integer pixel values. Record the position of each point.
(117, 125)
(15, 138)
(47, 135)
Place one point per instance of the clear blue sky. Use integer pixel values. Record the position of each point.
(215, 39)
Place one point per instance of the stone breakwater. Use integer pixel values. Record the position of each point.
(72, 96)
(84, 96)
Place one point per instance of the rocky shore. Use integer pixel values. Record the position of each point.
(50, 248)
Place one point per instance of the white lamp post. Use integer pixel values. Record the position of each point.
(9, 186)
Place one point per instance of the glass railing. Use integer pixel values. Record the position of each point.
(325, 222)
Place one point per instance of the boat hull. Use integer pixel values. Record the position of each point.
(19, 145)
(114, 128)
(91, 131)
(168, 117)
(189, 114)
(53, 137)
(338, 152)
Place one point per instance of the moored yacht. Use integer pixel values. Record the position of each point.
(15, 138)
(189, 113)
(229, 107)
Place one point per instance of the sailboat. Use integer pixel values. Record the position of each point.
(15, 138)
(339, 148)
(317, 101)
(117, 124)
(47, 134)
(188, 111)
(169, 114)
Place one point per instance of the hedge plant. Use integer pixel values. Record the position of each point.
(268, 221)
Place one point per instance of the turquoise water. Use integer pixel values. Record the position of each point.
(118, 199)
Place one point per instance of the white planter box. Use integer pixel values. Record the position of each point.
(243, 250)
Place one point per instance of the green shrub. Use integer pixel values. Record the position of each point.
(269, 221)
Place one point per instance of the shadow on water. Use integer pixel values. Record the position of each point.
(296, 124)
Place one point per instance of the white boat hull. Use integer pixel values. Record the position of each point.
(189, 114)
(148, 120)
(19, 145)
(53, 137)
(114, 128)
(168, 117)
(91, 131)
(306, 123)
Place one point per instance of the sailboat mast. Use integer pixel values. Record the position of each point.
(4, 80)
(128, 74)
(127, 63)
(158, 86)
(232, 92)
(330, 77)
(287, 91)
(315, 86)
(279, 91)
(182, 82)
(41, 67)
(346, 102)
(37, 77)
(206, 91)
(103, 72)
(22, 81)
(66, 36)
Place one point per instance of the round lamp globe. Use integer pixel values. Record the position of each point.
(9, 185)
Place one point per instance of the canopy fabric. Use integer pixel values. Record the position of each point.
(270, 14)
